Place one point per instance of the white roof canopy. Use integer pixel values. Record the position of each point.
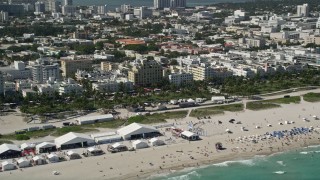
(72, 138)
(7, 147)
(27, 146)
(45, 145)
(136, 128)
(188, 134)
(118, 145)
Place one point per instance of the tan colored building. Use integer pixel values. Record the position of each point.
(201, 73)
(108, 66)
(148, 72)
(70, 67)
(312, 39)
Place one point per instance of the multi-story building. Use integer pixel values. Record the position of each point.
(178, 3)
(67, 88)
(108, 66)
(22, 1)
(318, 23)
(180, 78)
(315, 39)
(68, 10)
(23, 84)
(68, 2)
(4, 16)
(102, 9)
(303, 10)
(9, 87)
(1, 83)
(19, 71)
(142, 12)
(42, 73)
(69, 67)
(146, 73)
(160, 4)
(201, 73)
(13, 9)
(111, 86)
(252, 42)
(125, 8)
(46, 89)
(53, 6)
(40, 7)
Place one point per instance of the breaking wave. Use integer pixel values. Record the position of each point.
(187, 176)
(249, 162)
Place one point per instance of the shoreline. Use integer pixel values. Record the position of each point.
(179, 155)
(207, 163)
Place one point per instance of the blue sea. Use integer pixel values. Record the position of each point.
(112, 4)
(303, 164)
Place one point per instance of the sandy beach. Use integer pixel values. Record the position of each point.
(180, 154)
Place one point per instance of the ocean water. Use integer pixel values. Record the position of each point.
(303, 164)
(112, 4)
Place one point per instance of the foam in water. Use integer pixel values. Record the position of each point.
(279, 172)
(187, 176)
(314, 146)
(248, 162)
(309, 152)
(304, 152)
(281, 163)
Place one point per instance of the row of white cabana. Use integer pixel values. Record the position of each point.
(42, 159)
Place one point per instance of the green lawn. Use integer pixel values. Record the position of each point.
(5, 141)
(272, 103)
(204, 112)
(76, 129)
(109, 124)
(292, 99)
(32, 134)
(169, 115)
(260, 105)
(200, 112)
(44, 133)
(312, 97)
(144, 120)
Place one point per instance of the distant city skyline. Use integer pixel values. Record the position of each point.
(117, 3)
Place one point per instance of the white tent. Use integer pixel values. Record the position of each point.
(189, 135)
(38, 160)
(8, 147)
(72, 140)
(108, 139)
(136, 130)
(6, 165)
(138, 144)
(156, 142)
(22, 162)
(218, 99)
(94, 151)
(53, 157)
(73, 155)
(191, 100)
(118, 145)
(94, 119)
(44, 145)
(26, 146)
